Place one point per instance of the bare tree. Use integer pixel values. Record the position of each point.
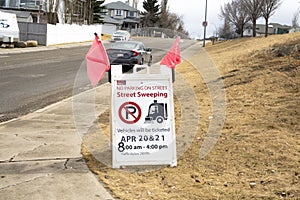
(170, 20)
(268, 9)
(164, 13)
(225, 30)
(254, 9)
(235, 13)
(295, 20)
(175, 22)
(52, 15)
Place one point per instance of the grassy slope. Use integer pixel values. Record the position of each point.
(263, 100)
(257, 155)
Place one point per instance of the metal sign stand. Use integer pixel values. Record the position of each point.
(142, 125)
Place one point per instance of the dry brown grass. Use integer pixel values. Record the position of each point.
(258, 153)
(105, 37)
(262, 124)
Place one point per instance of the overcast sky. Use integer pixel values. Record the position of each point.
(193, 13)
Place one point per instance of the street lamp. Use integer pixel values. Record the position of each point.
(205, 23)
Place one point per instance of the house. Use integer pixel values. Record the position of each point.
(119, 14)
(273, 28)
(26, 10)
(293, 30)
(122, 15)
(280, 29)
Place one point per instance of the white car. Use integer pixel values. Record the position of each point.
(120, 36)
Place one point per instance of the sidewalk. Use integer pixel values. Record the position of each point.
(4, 50)
(40, 154)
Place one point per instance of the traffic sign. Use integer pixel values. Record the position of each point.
(204, 23)
(143, 129)
(130, 112)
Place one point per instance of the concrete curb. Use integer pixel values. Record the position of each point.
(4, 51)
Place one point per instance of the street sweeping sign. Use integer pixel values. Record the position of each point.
(143, 130)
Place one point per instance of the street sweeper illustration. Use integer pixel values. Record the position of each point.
(157, 112)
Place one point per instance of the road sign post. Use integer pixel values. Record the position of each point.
(205, 24)
(143, 127)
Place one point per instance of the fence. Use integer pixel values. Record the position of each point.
(32, 31)
(109, 28)
(68, 33)
(48, 34)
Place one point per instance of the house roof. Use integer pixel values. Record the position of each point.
(119, 6)
(280, 25)
(130, 20)
(273, 25)
(22, 16)
(110, 20)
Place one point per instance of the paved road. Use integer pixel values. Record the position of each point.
(32, 80)
(35, 79)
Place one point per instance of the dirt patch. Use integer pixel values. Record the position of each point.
(258, 153)
(105, 37)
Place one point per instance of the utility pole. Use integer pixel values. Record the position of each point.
(205, 23)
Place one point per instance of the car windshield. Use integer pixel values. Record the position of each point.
(125, 45)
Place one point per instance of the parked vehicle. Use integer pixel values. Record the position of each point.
(129, 53)
(9, 29)
(120, 36)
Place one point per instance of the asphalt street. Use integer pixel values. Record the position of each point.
(32, 80)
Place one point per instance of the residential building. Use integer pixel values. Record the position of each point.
(122, 15)
(26, 10)
(273, 28)
(293, 30)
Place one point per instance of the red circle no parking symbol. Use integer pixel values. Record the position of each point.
(130, 112)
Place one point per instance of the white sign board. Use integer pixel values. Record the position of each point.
(143, 131)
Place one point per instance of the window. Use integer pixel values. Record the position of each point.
(118, 12)
(131, 14)
(2, 3)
